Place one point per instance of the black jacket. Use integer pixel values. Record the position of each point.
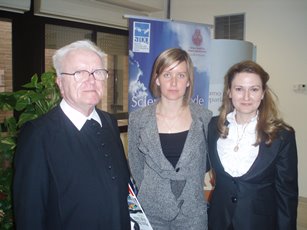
(266, 197)
(70, 179)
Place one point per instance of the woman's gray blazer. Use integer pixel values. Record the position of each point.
(154, 174)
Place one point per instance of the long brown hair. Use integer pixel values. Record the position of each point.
(269, 123)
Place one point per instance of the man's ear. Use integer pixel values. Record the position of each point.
(58, 81)
(60, 84)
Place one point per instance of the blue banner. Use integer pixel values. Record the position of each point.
(148, 38)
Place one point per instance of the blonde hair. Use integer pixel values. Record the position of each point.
(269, 123)
(166, 59)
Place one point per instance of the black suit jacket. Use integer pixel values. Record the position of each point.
(266, 197)
(70, 179)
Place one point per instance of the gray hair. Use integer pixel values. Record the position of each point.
(61, 53)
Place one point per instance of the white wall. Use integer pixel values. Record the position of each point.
(278, 29)
(100, 12)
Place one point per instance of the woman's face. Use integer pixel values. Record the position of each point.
(173, 81)
(246, 93)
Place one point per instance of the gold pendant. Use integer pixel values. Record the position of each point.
(236, 148)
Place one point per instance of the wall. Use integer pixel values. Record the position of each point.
(280, 36)
(100, 12)
(5, 62)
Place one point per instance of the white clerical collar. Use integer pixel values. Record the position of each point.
(77, 118)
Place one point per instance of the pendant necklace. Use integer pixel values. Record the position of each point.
(170, 125)
(236, 148)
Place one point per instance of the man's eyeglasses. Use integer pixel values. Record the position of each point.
(82, 75)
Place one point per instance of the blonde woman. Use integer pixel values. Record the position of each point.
(167, 147)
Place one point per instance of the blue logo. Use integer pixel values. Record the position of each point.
(141, 37)
(141, 29)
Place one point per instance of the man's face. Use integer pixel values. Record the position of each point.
(85, 94)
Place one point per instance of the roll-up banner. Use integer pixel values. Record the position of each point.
(148, 38)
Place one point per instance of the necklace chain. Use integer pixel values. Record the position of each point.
(170, 125)
(236, 148)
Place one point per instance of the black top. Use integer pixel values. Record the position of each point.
(172, 145)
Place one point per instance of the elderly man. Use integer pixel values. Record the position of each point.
(70, 167)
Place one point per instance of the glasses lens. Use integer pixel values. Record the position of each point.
(100, 74)
(81, 75)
